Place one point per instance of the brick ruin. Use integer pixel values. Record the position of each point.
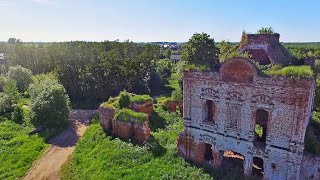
(265, 48)
(118, 128)
(223, 109)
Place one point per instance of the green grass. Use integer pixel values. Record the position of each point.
(312, 139)
(113, 102)
(291, 71)
(128, 115)
(18, 150)
(140, 98)
(98, 156)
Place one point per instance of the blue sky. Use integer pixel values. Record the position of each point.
(156, 20)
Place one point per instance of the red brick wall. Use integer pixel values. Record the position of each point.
(190, 150)
(261, 38)
(240, 70)
(123, 129)
(145, 107)
(142, 132)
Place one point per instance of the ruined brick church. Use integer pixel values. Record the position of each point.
(222, 111)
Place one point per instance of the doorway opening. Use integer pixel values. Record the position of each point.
(257, 167)
(208, 153)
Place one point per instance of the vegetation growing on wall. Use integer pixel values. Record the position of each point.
(290, 71)
(129, 115)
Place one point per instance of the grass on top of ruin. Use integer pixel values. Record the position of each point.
(290, 71)
(128, 114)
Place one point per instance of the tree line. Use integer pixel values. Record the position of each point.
(89, 70)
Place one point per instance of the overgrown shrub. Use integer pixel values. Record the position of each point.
(9, 95)
(124, 99)
(177, 95)
(22, 76)
(50, 103)
(5, 103)
(17, 114)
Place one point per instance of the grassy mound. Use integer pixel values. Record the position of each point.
(18, 150)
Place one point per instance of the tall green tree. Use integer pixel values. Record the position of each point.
(22, 76)
(201, 50)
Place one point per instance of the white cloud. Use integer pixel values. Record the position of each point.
(44, 1)
(6, 3)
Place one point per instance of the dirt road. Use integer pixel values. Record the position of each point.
(61, 147)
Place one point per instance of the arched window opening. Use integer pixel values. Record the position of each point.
(261, 128)
(234, 116)
(210, 111)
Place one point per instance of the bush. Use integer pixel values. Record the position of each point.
(177, 95)
(50, 103)
(17, 114)
(22, 76)
(5, 103)
(124, 99)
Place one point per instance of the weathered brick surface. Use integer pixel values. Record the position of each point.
(265, 48)
(123, 129)
(238, 92)
(172, 106)
(142, 132)
(145, 107)
(106, 116)
(126, 130)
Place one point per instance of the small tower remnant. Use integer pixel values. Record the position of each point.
(265, 49)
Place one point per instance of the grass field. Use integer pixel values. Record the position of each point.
(18, 150)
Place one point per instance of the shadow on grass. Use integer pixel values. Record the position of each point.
(152, 144)
(157, 122)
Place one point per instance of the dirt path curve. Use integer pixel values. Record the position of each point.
(61, 147)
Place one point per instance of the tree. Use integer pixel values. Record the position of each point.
(266, 30)
(167, 53)
(229, 51)
(22, 76)
(9, 95)
(50, 104)
(164, 70)
(201, 50)
(14, 40)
